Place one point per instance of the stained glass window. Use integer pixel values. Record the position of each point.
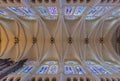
(53, 69)
(102, 69)
(43, 11)
(78, 69)
(103, 10)
(72, 67)
(26, 11)
(53, 10)
(96, 68)
(3, 12)
(69, 10)
(94, 10)
(116, 12)
(43, 69)
(26, 70)
(116, 68)
(15, 10)
(68, 69)
(113, 67)
(79, 10)
(50, 67)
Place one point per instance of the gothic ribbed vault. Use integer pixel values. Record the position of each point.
(62, 40)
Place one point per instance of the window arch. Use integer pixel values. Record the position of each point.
(47, 79)
(102, 79)
(113, 79)
(33, 79)
(40, 79)
(88, 79)
(54, 79)
(107, 79)
(81, 79)
(68, 79)
(75, 79)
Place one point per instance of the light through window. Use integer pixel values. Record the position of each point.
(26, 70)
(43, 11)
(79, 10)
(16, 10)
(53, 10)
(50, 67)
(96, 68)
(69, 10)
(73, 68)
(26, 11)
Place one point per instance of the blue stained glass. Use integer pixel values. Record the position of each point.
(51, 17)
(43, 69)
(102, 69)
(3, 12)
(79, 10)
(94, 10)
(71, 17)
(90, 63)
(94, 70)
(79, 70)
(116, 12)
(52, 10)
(26, 11)
(69, 10)
(108, 63)
(90, 17)
(26, 70)
(53, 69)
(71, 62)
(116, 68)
(68, 69)
(103, 10)
(15, 10)
(97, 69)
(43, 11)
(51, 62)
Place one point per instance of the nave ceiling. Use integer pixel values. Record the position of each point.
(57, 28)
(60, 31)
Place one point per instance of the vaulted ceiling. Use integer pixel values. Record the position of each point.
(59, 30)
